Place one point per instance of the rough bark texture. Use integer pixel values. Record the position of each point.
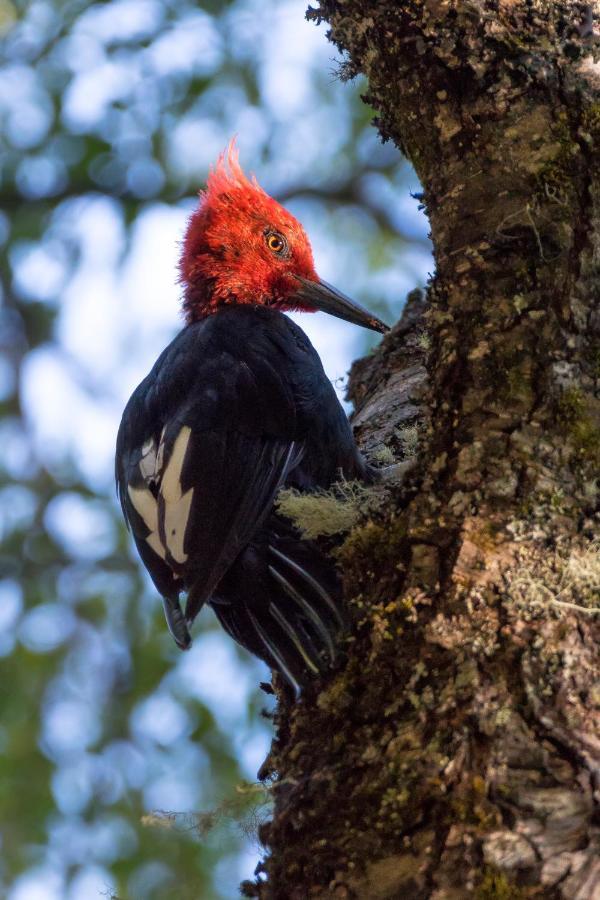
(457, 752)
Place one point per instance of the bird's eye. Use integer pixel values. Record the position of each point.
(276, 243)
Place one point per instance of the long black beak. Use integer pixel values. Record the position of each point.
(326, 298)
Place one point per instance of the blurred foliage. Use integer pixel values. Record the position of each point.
(110, 114)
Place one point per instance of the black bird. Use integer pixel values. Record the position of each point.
(237, 407)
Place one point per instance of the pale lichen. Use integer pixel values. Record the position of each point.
(384, 456)
(247, 808)
(409, 439)
(559, 584)
(335, 511)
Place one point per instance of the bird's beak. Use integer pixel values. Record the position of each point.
(326, 298)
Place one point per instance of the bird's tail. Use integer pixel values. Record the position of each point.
(282, 600)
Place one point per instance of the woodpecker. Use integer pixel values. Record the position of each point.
(237, 407)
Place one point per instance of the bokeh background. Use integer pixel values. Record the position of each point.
(124, 764)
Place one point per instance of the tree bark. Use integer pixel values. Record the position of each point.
(457, 752)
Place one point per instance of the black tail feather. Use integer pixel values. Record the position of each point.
(310, 611)
(310, 582)
(282, 601)
(273, 650)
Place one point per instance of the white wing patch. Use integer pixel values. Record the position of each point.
(177, 505)
(146, 506)
(152, 459)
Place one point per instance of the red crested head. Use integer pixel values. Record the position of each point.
(242, 247)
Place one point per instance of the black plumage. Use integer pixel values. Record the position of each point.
(235, 408)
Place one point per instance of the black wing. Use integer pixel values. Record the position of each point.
(205, 443)
(235, 407)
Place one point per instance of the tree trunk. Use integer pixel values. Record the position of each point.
(457, 753)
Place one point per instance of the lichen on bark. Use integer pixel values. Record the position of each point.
(456, 753)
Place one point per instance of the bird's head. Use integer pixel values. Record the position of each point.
(242, 247)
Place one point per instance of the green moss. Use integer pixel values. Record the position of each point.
(408, 771)
(574, 415)
(496, 886)
(571, 405)
(373, 548)
(554, 179)
(335, 696)
(507, 374)
(590, 122)
(555, 176)
(586, 437)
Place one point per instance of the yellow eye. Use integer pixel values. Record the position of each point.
(276, 242)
